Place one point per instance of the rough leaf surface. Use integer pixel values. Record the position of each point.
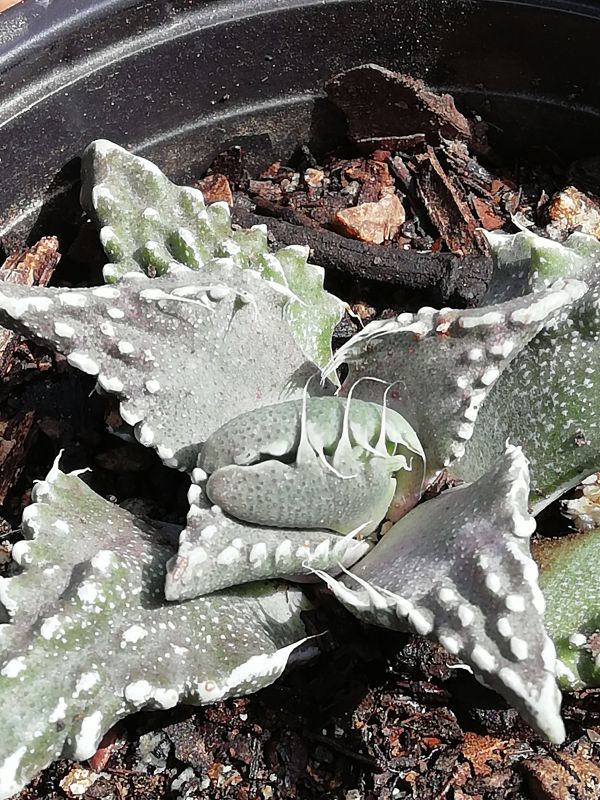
(548, 399)
(443, 364)
(184, 352)
(217, 551)
(458, 569)
(92, 640)
(320, 463)
(150, 225)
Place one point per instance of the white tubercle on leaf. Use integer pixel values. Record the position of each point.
(443, 364)
(107, 647)
(453, 569)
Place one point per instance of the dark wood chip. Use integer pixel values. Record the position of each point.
(379, 104)
(215, 188)
(467, 168)
(460, 281)
(404, 144)
(449, 213)
(17, 432)
(33, 266)
(562, 776)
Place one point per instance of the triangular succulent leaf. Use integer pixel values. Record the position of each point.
(184, 353)
(548, 398)
(217, 551)
(443, 364)
(147, 223)
(150, 225)
(458, 569)
(92, 639)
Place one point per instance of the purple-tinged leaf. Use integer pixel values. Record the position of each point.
(458, 569)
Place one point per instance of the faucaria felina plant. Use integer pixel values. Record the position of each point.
(220, 354)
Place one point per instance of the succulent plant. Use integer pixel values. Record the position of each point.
(215, 347)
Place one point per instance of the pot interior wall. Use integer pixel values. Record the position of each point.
(178, 81)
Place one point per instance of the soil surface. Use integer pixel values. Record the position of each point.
(395, 215)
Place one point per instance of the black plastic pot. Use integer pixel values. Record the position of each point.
(176, 79)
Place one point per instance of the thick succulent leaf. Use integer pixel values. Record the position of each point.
(445, 363)
(548, 399)
(93, 640)
(570, 580)
(149, 224)
(458, 569)
(185, 352)
(525, 262)
(217, 551)
(319, 463)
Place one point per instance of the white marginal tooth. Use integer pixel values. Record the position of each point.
(145, 435)
(110, 384)
(194, 495)
(64, 330)
(490, 375)
(130, 415)
(83, 362)
(489, 319)
(450, 643)
(483, 659)
(464, 431)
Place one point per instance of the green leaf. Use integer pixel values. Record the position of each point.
(148, 224)
(93, 640)
(570, 580)
(547, 400)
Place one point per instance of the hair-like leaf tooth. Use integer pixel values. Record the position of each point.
(92, 639)
(217, 551)
(570, 580)
(547, 400)
(183, 355)
(458, 569)
(444, 363)
(149, 224)
(317, 463)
